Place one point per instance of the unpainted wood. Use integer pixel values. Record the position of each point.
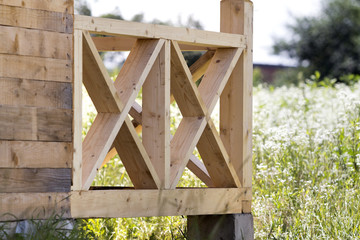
(35, 124)
(143, 30)
(36, 19)
(36, 68)
(156, 115)
(198, 168)
(199, 67)
(146, 203)
(35, 180)
(20, 206)
(32, 93)
(47, 5)
(31, 154)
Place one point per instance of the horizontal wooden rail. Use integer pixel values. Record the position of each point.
(144, 30)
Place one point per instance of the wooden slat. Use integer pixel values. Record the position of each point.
(32, 93)
(37, 124)
(146, 203)
(199, 169)
(35, 180)
(36, 19)
(26, 67)
(183, 144)
(217, 75)
(199, 67)
(97, 80)
(236, 99)
(77, 108)
(19, 206)
(133, 155)
(30, 154)
(31, 42)
(48, 5)
(156, 115)
(143, 30)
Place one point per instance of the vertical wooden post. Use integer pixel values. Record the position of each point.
(236, 99)
(156, 115)
(77, 108)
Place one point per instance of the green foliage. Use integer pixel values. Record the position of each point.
(329, 43)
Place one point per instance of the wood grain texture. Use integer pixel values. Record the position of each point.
(32, 93)
(37, 43)
(35, 180)
(30, 154)
(35, 124)
(36, 68)
(36, 19)
(19, 206)
(47, 5)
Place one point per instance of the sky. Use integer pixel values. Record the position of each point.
(270, 17)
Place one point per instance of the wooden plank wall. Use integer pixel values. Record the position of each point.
(36, 90)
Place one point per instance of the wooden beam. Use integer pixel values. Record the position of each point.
(199, 67)
(35, 180)
(236, 99)
(146, 203)
(16, 154)
(19, 206)
(36, 19)
(47, 5)
(156, 115)
(143, 30)
(198, 168)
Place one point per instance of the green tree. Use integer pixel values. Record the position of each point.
(329, 43)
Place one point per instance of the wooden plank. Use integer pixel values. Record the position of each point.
(77, 106)
(47, 5)
(97, 80)
(199, 67)
(30, 154)
(143, 30)
(36, 19)
(198, 168)
(35, 124)
(35, 180)
(217, 75)
(156, 115)
(126, 43)
(183, 144)
(37, 43)
(32, 93)
(36, 68)
(146, 203)
(133, 155)
(236, 99)
(20, 206)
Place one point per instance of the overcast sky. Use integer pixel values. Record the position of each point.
(270, 17)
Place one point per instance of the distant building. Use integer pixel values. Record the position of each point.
(269, 71)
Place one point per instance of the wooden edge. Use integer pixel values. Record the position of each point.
(146, 203)
(145, 30)
(199, 169)
(199, 67)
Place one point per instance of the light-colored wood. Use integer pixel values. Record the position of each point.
(125, 44)
(19, 206)
(217, 75)
(32, 93)
(37, 68)
(35, 180)
(200, 66)
(47, 5)
(146, 203)
(136, 113)
(36, 19)
(17, 41)
(236, 99)
(143, 30)
(97, 80)
(133, 155)
(198, 168)
(30, 154)
(183, 144)
(216, 159)
(77, 111)
(35, 124)
(156, 115)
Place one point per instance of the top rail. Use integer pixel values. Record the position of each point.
(145, 30)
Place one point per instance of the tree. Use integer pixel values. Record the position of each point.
(329, 43)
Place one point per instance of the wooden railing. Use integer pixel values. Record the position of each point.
(156, 162)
